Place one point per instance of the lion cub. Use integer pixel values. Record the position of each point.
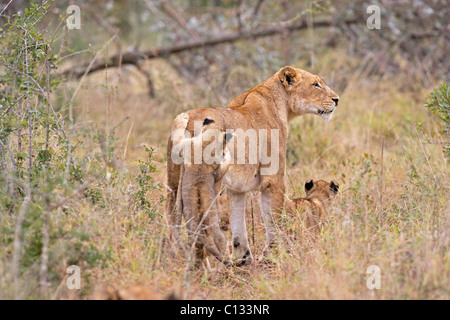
(197, 194)
(131, 293)
(319, 195)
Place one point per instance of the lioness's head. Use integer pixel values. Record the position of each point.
(322, 190)
(308, 93)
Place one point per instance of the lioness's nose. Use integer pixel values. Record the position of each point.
(336, 100)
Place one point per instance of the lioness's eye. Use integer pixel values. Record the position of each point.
(317, 85)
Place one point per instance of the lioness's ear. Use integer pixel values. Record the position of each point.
(288, 77)
(334, 186)
(309, 185)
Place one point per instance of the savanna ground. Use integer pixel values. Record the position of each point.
(382, 146)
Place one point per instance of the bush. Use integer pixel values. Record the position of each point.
(40, 171)
(439, 103)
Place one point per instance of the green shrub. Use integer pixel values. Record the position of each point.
(39, 162)
(146, 183)
(439, 103)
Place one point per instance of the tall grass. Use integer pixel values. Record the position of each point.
(392, 209)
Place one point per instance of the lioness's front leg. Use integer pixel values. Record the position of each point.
(241, 248)
(272, 200)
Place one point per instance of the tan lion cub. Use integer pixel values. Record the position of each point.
(131, 293)
(197, 196)
(319, 195)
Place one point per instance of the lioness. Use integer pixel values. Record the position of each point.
(267, 108)
(197, 200)
(313, 207)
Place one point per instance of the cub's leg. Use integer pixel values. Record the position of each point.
(211, 236)
(215, 241)
(272, 200)
(196, 247)
(241, 248)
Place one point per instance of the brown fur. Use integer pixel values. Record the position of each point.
(224, 210)
(271, 105)
(129, 293)
(197, 197)
(313, 208)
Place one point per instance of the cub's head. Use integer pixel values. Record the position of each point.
(322, 190)
(207, 153)
(307, 93)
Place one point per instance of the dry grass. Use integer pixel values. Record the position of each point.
(392, 211)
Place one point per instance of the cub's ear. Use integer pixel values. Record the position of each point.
(227, 136)
(309, 185)
(207, 121)
(288, 77)
(334, 186)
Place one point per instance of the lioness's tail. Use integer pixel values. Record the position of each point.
(173, 207)
(180, 122)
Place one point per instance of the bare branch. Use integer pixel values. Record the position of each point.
(257, 9)
(133, 57)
